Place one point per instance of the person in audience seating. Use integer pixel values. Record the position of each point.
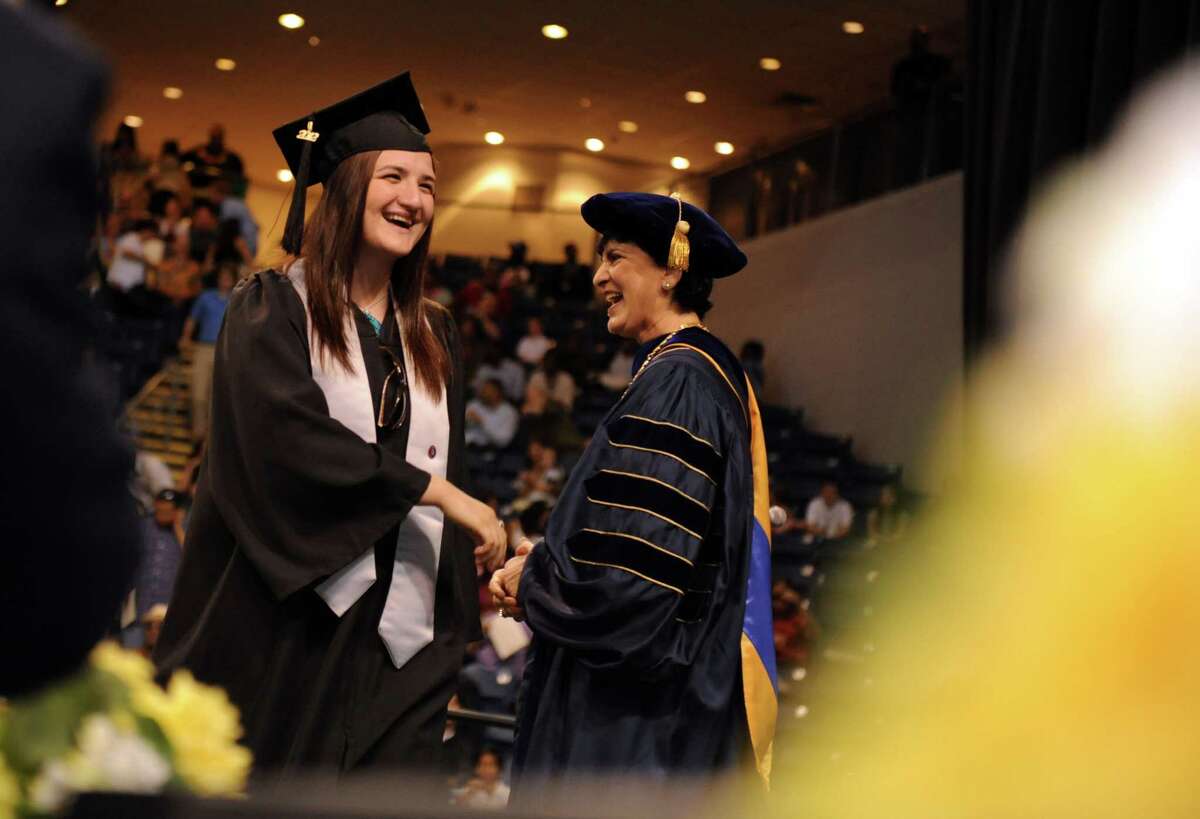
(544, 477)
(231, 207)
(162, 552)
(620, 368)
(213, 160)
(485, 791)
(167, 174)
(887, 522)
(131, 269)
(752, 358)
(202, 233)
(829, 516)
(534, 345)
(554, 381)
(504, 369)
(492, 422)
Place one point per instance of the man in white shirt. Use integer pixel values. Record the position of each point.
(534, 345)
(128, 267)
(829, 516)
(491, 421)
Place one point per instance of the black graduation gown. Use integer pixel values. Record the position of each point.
(636, 596)
(287, 497)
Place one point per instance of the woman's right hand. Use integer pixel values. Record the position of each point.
(476, 517)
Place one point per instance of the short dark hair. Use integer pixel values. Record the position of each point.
(693, 291)
(159, 200)
(205, 204)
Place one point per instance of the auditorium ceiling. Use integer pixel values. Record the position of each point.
(486, 66)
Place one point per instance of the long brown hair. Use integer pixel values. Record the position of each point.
(331, 237)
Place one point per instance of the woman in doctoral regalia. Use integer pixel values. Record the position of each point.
(328, 582)
(649, 598)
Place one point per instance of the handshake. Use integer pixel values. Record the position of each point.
(506, 583)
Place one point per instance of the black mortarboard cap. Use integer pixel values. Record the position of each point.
(674, 233)
(385, 117)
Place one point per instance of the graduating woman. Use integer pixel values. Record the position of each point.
(649, 598)
(328, 582)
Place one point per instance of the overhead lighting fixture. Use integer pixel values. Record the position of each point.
(553, 31)
(314, 41)
(60, 2)
(695, 97)
(493, 137)
(290, 20)
(853, 27)
(172, 93)
(594, 145)
(585, 102)
(133, 121)
(225, 64)
(680, 163)
(723, 148)
(627, 126)
(769, 64)
(284, 175)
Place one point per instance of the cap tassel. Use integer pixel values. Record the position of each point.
(680, 250)
(293, 231)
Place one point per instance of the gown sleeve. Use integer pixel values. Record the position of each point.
(633, 540)
(302, 494)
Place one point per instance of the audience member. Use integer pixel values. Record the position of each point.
(231, 207)
(229, 249)
(500, 367)
(544, 477)
(202, 233)
(534, 345)
(557, 384)
(211, 161)
(200, 333)
(752, 358)
(485, 790)
(829, 516)
(491, 421)
(167, 173)
(150, 477)
(793, 626)
(886, 523)
(162, 551)
(620, 368)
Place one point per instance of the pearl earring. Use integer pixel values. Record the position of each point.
(666, 285)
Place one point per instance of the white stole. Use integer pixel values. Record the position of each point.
(407, 622)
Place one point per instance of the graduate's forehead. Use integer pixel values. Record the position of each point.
(412, 162)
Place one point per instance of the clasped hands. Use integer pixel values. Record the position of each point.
(506, 582)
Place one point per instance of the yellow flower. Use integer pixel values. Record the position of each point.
(203, 728)
(10, 792)
(129, 667)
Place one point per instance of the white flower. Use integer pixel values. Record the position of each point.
(121, 760)
(52, 787)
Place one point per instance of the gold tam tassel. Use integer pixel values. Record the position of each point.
(677, 255)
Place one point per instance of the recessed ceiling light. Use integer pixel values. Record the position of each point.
(172, 93)
(696, 97)
(60, 2)
(585, 102)
(554, 31)
(225, 64)
(723, 148)
(284, 175)
(291, 20)
(493, 137)
(133, 121)
(628, 126)
(594, 145)
(680, 163)
(769, 64)
(853, 27)
(314, 41)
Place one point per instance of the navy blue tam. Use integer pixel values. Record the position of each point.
(650, 221)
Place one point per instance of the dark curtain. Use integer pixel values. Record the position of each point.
(1046, 79)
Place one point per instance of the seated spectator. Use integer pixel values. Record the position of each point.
(620, 369)
(200, 333)
(515, 274)
(435, 290)
(231, 207)
(229, 249)
(129, 265)
(547, 421)
(556, 383)
(534, 345)
(162, 551)
(485, 790)
(167, 173)
(544, 477)
(500, 367)
(752, 358)
(794, 628)
(491, 421)
(211, 161)
(574, 281)
(886, 523)
(829, 516)
(202, 233)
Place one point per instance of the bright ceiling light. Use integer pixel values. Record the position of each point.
(172, 93)
(290, 20)
(723, 148)
(493, 137)
(627, 126)
(769, 64)
(553, 31)
(225, 64)
(680, 163)
(594, 145)
(695, 97)
(60, 2)
(284, 175)
(853, 27)
(133, 121)
(314, 41)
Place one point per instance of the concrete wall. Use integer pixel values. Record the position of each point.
(861, 315)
